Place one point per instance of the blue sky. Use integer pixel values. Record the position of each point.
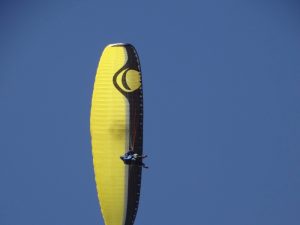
(222, 113)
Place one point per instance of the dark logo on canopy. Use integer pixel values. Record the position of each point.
(127, 80)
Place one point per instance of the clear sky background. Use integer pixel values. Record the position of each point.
(222, 113)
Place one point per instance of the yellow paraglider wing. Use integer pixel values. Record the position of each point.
(116, 125)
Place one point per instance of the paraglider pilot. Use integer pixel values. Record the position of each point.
(131, 157)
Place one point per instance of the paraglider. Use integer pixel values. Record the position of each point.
(131, 158)
(116, 125)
